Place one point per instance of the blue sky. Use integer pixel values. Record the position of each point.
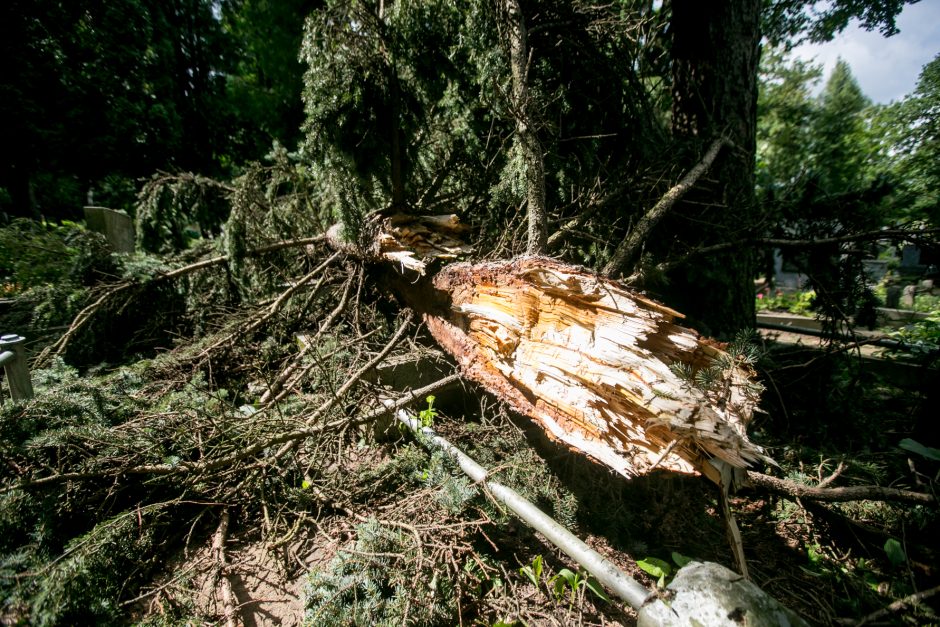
(886, 69)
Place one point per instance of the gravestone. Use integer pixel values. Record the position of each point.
(892, 296)
(907, 296)
(910, 256)
(116, 226)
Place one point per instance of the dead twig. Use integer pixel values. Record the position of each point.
(261, 250)
(897, 606)
(274, 307)
(220, 576)
(894, 235)
(81, 319)
(835, 475)
(276, 390)
(372, 363)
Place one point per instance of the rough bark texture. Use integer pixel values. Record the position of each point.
(715, 51)
(528, 141)
(590, 361)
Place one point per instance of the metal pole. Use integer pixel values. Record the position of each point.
(13, 358)
(605, 571)
(702, 593)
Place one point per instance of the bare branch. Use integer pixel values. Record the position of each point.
(631, 245)
(275, 391)
(214, 261)
(838, 495)
(897, 606)
(219, 575)
(277, 304)
(866, 236)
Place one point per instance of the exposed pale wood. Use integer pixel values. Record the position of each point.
(589, 360)
(406, 241)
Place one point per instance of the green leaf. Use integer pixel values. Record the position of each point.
(594, 586)
(526, 571)
(680, 559)
(655, 567)
(569, 576)
(533, 572)
(813, 553)
(895, 552)
(916, 447)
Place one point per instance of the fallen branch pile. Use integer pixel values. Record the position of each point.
(256, 429)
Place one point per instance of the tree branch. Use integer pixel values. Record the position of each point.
(631, 245)
(214, 261)
(897, 606)
(276, 305)
(838, 495)
(85, 315)
(220, 578)
(208, 465)
(866, 236)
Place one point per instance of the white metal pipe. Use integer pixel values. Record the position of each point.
(16, 368)
(605, 571)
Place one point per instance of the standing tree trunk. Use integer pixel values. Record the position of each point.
(715, 49)
(525, 133)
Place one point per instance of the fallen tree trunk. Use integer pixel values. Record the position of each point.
(603, 369)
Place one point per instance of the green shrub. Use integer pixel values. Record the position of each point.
(800, 303)
(370, 583)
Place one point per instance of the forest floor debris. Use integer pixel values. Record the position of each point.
(117, 476)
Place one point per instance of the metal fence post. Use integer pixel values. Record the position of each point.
(13, 358)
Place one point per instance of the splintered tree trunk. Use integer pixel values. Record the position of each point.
(604, 370)
(596, 365)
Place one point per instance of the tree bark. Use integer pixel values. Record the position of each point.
(715, 50)
(528, 141)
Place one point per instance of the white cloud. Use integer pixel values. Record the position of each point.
(886, 68)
